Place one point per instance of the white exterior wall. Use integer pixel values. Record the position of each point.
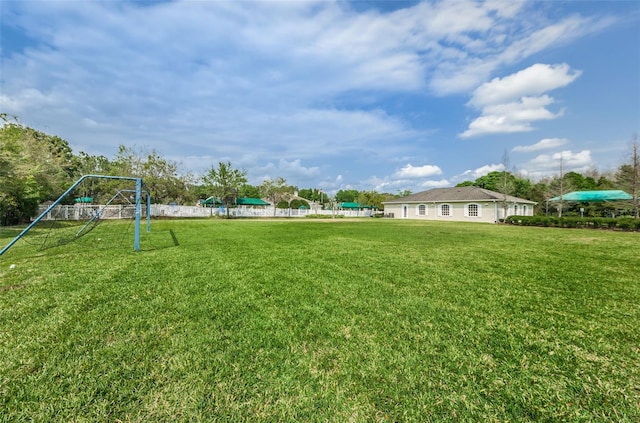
(488, 212)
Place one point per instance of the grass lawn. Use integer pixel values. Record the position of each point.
(302, 320)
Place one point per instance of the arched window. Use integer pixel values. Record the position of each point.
(422, 210)
(445, 210)
(473, 210)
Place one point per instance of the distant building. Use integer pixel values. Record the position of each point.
(463, 204)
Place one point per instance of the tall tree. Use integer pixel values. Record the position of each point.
(522, 187)
(34, 167)
(497, 181)
(250, 191)
(574, 181)
(163, 178)
(19, 190)
(606, 182)
(540, 194)
(97, 189)
(502, 182)
(628, 175)
(562, 186)
(225, 183)
(276, 190)
(92, 165)
(371, 198)
(347, 195)
(314, 194)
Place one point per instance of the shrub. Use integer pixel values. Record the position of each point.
(624, 223)
(323, 216)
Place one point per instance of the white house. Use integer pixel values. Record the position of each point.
(463, 204)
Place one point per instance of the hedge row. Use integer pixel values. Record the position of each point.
(324, 216)
(622, 223)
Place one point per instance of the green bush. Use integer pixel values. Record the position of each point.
(324, 216)
(624, 223)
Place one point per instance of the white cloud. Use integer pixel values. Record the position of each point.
(390, 185)
(293, 171)
(532, 81)
(472, 175)
(544, 144)
(28, 98)
(414, 178)
(442, 183)
(511, 117)
(410, 171)
(571, 161)
(553, 34)
(260, 82)
(506, 44)
(295, 168)
(397, 185)
(511, 104)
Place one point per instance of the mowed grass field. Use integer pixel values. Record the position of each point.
(323, 321)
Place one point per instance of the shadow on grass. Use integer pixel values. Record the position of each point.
(173, 237)
(160, 240)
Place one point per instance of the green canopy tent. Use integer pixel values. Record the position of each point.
(211, 202)
(247, 201)
(603, 196)
(592, 196)
(243, 201)
(349, 206)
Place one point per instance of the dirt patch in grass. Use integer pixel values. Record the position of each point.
(11, 287)
(587, 240)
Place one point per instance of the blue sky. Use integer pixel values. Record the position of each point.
(384, 95)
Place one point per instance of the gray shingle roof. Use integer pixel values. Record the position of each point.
(439, 195)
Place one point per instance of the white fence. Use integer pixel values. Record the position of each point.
(86, 211)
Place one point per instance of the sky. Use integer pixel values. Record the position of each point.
(367, 95)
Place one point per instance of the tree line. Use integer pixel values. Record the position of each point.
(36, 167)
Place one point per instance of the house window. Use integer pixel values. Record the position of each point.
(515, 209)
(422, 210)
(473, 210)
(524, 210)
(445, 210)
